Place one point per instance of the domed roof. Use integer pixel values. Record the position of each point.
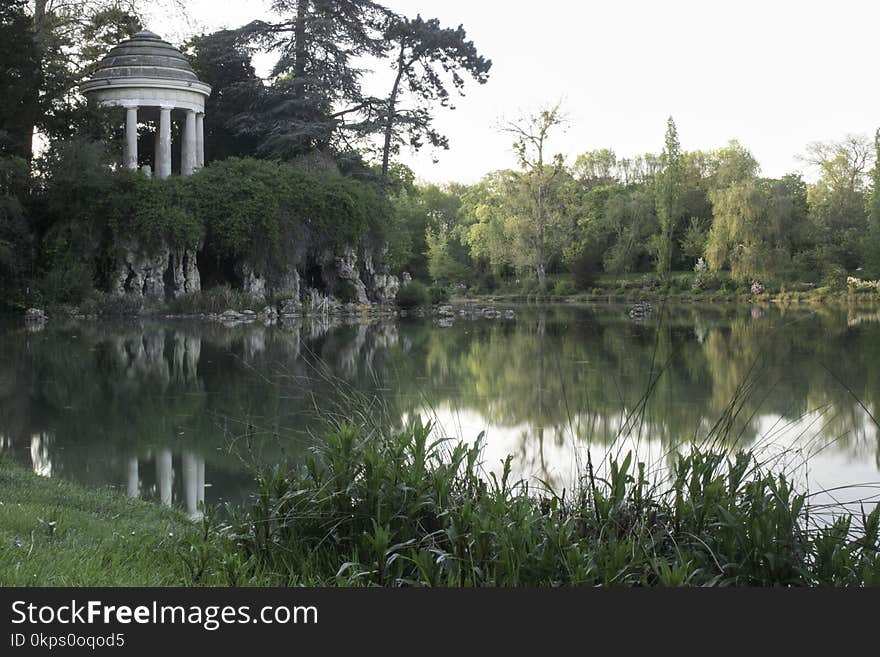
(145, 55)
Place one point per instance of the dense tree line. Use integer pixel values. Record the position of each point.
(705, 211)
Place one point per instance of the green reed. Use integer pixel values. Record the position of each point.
(379, 508)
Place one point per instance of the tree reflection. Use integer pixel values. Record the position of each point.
(156, 407)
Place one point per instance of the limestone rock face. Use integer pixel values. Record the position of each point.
(346, 271)
(141, 273)
(385, 288)
(252, 282)
(150, 274)
(185, 271)
(288, 283)
(321, 280)
(381, 285)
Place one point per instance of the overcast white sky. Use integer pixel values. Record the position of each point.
(774, 74)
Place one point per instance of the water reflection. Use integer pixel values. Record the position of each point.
(191, 467)
(153, 407)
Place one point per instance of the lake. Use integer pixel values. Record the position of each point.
(181, 412)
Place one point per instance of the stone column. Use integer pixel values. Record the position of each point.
(188, 152)
(131, 137)
(163, 153)
(200, 140)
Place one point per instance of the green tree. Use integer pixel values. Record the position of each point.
(595, 168)
(838, 199)
(871, 254)
(534, 185)
(735, 239)
(670, 206)
(20, 72)
(315, 97)
(222, 60)
(71, 36)
(426, 53)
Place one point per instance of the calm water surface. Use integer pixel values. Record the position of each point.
(180, 412)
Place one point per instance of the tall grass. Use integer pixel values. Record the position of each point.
(404, 509)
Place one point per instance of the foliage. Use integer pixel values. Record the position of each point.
(860, 285)
(15, 238)
(315, 83)
(835, 278)
(224, 62)
(404, 509)
(270, 212)
(871, 248)
(423, 53)
(70, 38)
(438, 294)
(413, 295)
(564, 287)
(711, 281)
(693, 244)
(215, 300)
(111, 305)
(583, 269)
(19, 62)
(670, 208)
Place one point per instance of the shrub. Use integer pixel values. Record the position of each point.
(564, 287)
(346, 292)
(111, 305)
(413, 295)
(680, 282)
(834, 278)
(439, 294)
(860, 285)
(69, 283)
(708, 281)
(584, 269)
(213, 300)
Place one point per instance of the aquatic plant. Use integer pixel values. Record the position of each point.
(370, 507)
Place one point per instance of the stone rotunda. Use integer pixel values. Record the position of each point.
(155, 83)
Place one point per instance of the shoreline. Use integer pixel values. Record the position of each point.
(267, 312)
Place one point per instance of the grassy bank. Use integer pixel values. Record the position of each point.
(55, 533)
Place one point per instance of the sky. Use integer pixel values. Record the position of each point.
(773, 74)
